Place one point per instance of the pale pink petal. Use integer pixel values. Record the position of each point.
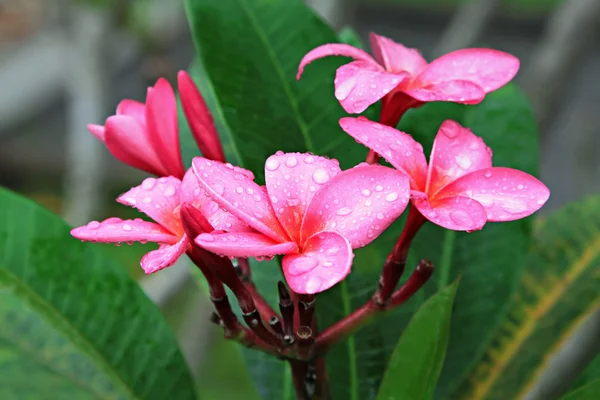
(221, 220)
(395, 57)
(97, 130)
(116, 230)
(456, 213)
(398, 148)
(161, 120)
(326, 260)
(506, 194)
(244, 244)
(292, 179)
(456, 91)
(158, 199)
(359, 84)
(456, 152)
(126, 139)
(358, 203)
(133, 109)
(199, 118)
(334, 49)
(164, 257)
(490, 69)
(239, 195)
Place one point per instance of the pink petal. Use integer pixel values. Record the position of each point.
(292, 180)
(158, 199)
(126, 139)
(164, 257)
(97, 131)
(133, 109)
(506, 194)
(221, 220)
(114, 230)
(358, 203)
(161, 119)
(398, 148)
(359, 84)
(395, 57)
(456, 152)
(334, 49)
(199, 118)
(490, 69)
(325, 261)
(458, 91)
(239, 195)
(244, 244)
(456, 213)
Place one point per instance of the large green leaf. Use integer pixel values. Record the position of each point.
(590, 391)
(417, 361)
(73, 324)
(558, 291)
(489, 260)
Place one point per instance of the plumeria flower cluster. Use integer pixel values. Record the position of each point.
(310, 211)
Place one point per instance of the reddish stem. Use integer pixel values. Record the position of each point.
(361, 316)
(299, 370)
(396, 260)
(306, 309)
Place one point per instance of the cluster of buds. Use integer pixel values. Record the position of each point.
(310, 211)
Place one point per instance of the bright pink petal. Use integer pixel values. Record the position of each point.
(358, 203)
(398, 148)
(199, 118)
(244, 244)
(97, 130)
(490, 69)
(292, 180)
(395, 57)
(456, 152)
(116, 230)
(334, 49)
(455, 91)
(161, 120)
(126, 139)
(133, 109)
(325, 261)
(158, 199)
(506, 194)
(239, 195)
(221, 220)
(164, 257)
(359, 84)
(456, 213)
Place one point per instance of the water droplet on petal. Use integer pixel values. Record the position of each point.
(148, 183)
(293, 202)
(461, 218)
(392, 196)
(272, 164)
(379, 188)
(249, 190)
(463, 161)
(368, 203)
(127, 227)
(239, 189)
(520, 187)
(320, 176)
(94, 225)
(291, 162)
(366, 192)
(380, 216)
(487, 174)
(514, 206)
(301, 265)
(344, 211)
(169, 191)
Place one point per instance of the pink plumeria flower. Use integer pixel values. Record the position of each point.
(161, 200)
(406, 80)
(146, 136)
(460, 190)
(309, 210)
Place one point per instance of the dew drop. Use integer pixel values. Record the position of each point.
(293, 202)
(256, 197)
(320, 176)
(344, 211)
(520, 187)
(249, 190)
(368, 203)
(301, 265)
(487, 174)
(380, 216)
(392, 196)
(127, 227)
(169, 191)
(274, 199)
(327, 264)
(207, 237)
(272, 164)
(463, 161)
(239, 190)
(366, 192)
(379, 188)
(94, 225)
(461, 218)
(291, 162)
(148, 183)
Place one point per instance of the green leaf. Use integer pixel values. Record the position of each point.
(558, 291)
(489, 260)
(417, 360)
(252, 64)
(74, 325)
(590, 391)
(589, 374)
